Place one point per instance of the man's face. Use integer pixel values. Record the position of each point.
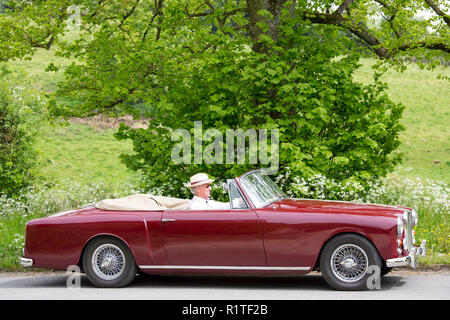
(203, 191)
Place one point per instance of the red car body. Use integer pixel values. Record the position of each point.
(284, 237)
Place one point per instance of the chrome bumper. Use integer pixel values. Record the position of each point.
(409, 259)
(25, 262)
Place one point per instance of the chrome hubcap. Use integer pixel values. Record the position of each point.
(108, 262)
(349, 263)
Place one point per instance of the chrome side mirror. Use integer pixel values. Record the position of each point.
(225, 187)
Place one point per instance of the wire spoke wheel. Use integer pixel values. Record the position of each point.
(349, 263)
(108, 262)
(345, 261)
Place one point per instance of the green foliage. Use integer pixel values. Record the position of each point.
(17, 156)
(237, 64)
(27, 25)
(299, 85)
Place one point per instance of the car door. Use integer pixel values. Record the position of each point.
(213, 238)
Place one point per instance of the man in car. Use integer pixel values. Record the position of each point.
(200, 186)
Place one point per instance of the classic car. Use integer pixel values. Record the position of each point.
(263, 233)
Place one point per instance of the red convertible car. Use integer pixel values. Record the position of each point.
(263, 233)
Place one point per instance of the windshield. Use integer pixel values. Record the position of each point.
(260, 189)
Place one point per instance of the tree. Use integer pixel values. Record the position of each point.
(261, 64)
(37, 24)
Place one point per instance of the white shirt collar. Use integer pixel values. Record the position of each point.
(196, 198)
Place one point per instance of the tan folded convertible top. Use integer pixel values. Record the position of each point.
(143, 202)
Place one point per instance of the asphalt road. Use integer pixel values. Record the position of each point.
(53, 286)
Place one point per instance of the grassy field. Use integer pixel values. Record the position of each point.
(426, 140)
(83, 160)
(83, 153)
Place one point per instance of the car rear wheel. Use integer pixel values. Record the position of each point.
(108, 263)
(346, 260)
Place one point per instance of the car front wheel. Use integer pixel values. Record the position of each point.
(348, 261)
(108, 263)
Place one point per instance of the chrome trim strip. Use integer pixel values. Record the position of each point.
(231, 268)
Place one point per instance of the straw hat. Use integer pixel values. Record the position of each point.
(198, 179)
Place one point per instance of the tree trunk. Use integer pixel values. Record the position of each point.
(274, 7)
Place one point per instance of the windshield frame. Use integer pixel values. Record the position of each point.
(274, 192)
(235, 184)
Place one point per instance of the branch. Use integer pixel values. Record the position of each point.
(227, 14)
(100, 5)
(358, 30)
(363, 33)
(129, 13)
(343, 7)
(199, 14)
(391, 18)
(158, 12)
(210, 6)
(438, 11)
(46, 45)
(435, 46)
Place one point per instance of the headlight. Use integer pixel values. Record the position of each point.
(399, 226)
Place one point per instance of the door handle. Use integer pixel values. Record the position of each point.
(168, 220)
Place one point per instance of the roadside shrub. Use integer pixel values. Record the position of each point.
(21, 111)
(320, 187)
(17, 157)
(46, 199)
(431, 200)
